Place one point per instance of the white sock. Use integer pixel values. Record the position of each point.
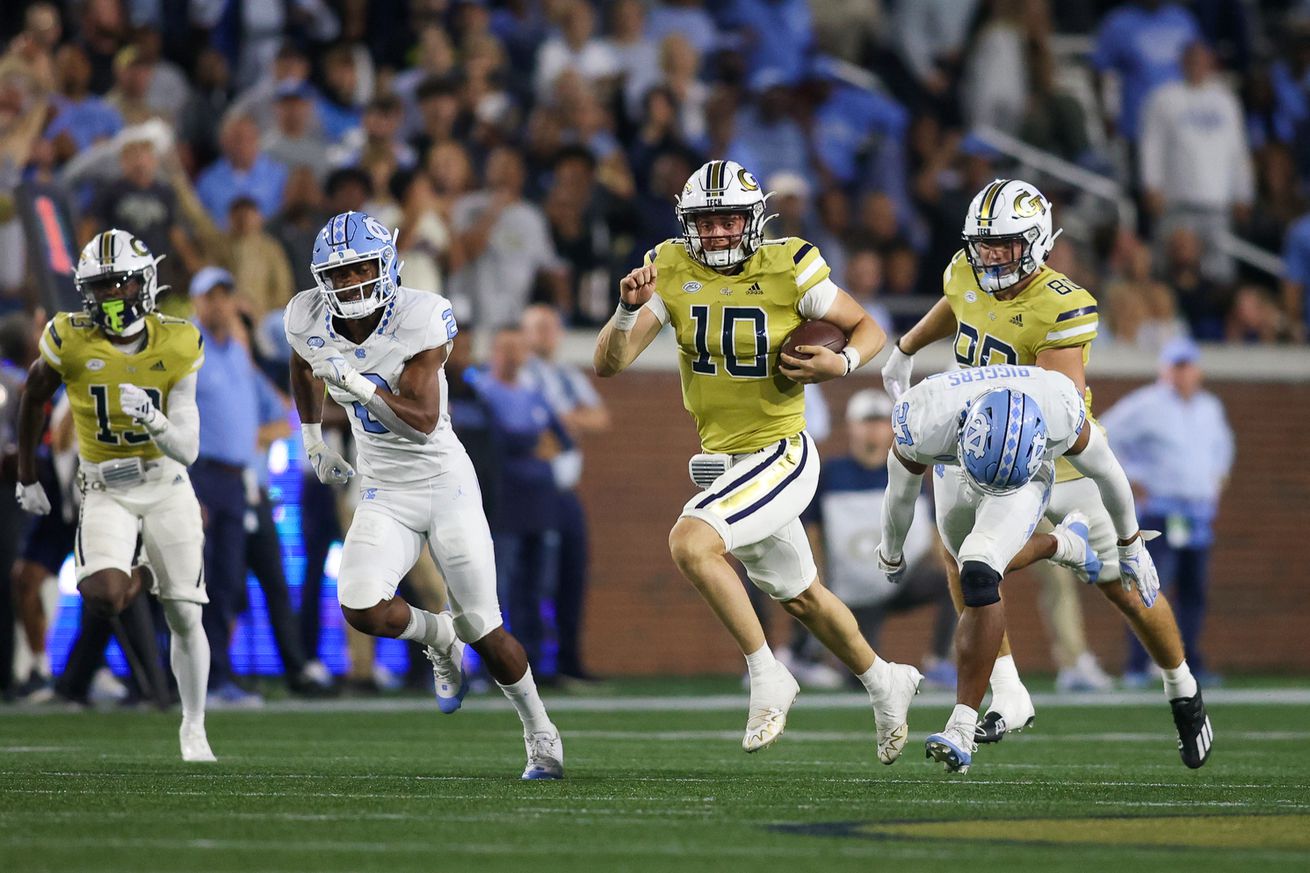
(1005, 674)
(431, 629)
(760, 661)
(963, 715)
(527, 703)
(875, 678)
(189, 653)
(43, 664)
(1179, 682)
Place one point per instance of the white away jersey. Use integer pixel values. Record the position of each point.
(412, 322)
(927, 417)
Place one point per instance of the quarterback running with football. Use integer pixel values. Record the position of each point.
(380, 348)
(130, 374)
(732, 297)
(998, 429)
(1004, 305)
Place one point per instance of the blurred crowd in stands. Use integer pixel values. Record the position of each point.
(530, 152)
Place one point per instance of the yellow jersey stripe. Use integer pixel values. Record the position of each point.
(48, 352)
(808, 273)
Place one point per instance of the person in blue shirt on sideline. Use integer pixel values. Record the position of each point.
(576, 404)
(537, 460)
(1175, 444)
(235, 400)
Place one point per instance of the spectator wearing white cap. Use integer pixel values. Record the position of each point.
(842, 522)
(1176, 446)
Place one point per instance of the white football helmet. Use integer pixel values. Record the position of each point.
(1008, 210)
(723, 187)
(116, 276)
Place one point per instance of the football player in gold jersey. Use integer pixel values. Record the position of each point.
(732, 298)
(1004, 305)
(131, 380)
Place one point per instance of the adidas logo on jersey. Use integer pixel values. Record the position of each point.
(755, 288)
(1017, 320)
(158, 365)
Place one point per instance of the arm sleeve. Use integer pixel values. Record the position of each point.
(818, 300)
(903, 489)
(178, 433)
(1099, 464)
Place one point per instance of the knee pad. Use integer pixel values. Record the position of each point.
(980, 583)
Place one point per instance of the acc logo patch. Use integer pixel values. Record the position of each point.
(692, 287)
(969, 297)
(360, 353)
(315, 342)
(95, 364)
(747, 180)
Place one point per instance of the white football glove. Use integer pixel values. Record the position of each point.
(1137, 569)
(896, 372)
(334, 370)
(329, 466)
(32, 498)
(136, 404)
(895, 570)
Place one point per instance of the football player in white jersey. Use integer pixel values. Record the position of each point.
(993, 434)
(380, 348)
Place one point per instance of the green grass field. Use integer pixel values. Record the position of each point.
(655, 782)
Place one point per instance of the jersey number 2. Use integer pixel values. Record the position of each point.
(754, 367)
(371, 424)
(104, 434)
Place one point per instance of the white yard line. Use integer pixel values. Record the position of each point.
(719, 702)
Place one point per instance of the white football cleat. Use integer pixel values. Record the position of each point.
(195, 745)
(1011, 709)
(953, 747)
(889, 713)
(545, 755)
(771, 698)
(449, 680)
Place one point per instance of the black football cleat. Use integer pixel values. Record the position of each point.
(1195, 736)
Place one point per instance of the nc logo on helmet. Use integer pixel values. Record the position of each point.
(1028, 204)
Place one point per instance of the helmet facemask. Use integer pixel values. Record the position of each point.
(355, 299)
(999, 276)
(752, 235)
(118, 302)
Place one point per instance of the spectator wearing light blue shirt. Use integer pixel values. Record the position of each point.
(534, 447)
(1143, 44)
(1176, 446)
(574, 400)
(234, 400)
(242, 171)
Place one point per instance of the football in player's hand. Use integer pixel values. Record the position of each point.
(814, 333)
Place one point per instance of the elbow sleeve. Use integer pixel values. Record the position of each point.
(1099, 464)
(898, 505)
